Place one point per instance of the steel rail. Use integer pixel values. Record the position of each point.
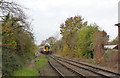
(59, 73)
(85, 68)
(78, 73)
(118, 74)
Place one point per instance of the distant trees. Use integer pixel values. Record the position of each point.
(84, 42)
(69, 31)
(77, 36)
(115, 41)
(50, 40)
(100, 38)
(70, 27)
(58, 47)
(80, 39)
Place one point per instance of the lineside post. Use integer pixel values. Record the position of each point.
(118, 46)
(118, 36)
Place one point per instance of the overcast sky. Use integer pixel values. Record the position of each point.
(49, 14)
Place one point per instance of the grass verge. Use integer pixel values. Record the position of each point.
(26, 72)
(41, 61)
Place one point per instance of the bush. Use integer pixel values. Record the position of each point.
(18, 45)
(10, 62)
(85, 41)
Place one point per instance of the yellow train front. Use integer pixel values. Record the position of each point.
(45, 50)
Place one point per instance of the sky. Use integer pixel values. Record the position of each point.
(47, 15)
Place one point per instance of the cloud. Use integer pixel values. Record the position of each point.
(49, 14)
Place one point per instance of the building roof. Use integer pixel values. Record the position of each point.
(110, 46)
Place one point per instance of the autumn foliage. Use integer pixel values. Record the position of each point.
(100, 39)
(80, 40)
(17, 40)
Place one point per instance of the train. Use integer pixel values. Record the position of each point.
(46, 50)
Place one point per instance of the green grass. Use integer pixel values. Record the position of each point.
(0, 74)
(93, 61)
(26, 72)
(41, 61)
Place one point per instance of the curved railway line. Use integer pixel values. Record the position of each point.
(79, 69)
(59, 73)
(62, 69)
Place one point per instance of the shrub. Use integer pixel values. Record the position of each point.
(10, 62)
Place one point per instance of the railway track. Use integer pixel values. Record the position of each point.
(62, 70)
(78, 66)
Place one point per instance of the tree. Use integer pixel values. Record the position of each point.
(16, 11)
(7, 6)
(58, 46)
(115, 41)
(50, 40)
(99, 39)
(84, 42)
(70, 27)
(17, 39)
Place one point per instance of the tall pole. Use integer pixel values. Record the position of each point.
(118, 36)
(119, 25)
(119, 47)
